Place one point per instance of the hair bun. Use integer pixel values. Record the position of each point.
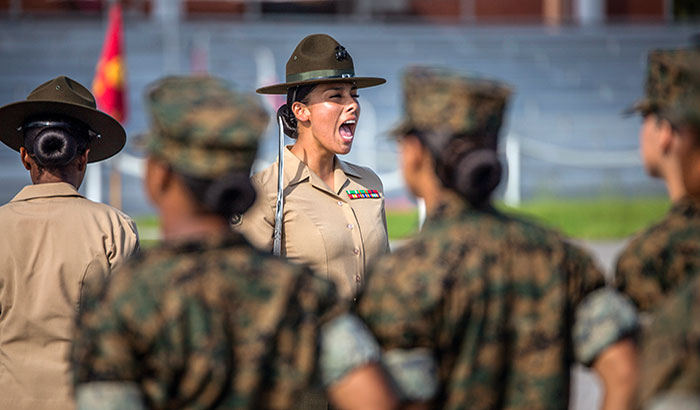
(230, 194)
(289, 121)
(54, 148)
(477, 174)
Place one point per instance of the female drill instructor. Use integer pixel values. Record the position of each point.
(333, 211)
(53, 239)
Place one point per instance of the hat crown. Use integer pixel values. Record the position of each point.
(442, 102)
(202, 127)
(671, 76)
(318, 53)
(63, 89)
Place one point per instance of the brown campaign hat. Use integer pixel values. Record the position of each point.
(317, 59)
(66, 97)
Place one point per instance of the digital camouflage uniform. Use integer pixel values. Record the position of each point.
(493, 298)
(670, 354)
(666, 254)
(667, 284)
(210, 323)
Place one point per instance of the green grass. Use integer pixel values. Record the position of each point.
(595, 218)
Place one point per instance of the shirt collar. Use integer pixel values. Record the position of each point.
(686, 206)
(48, 190)
(296, 172)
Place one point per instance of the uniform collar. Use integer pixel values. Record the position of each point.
(452, 205)
(686, 206)
(49, 190)
(296, 172)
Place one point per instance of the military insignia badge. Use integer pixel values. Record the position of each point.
(363, 193)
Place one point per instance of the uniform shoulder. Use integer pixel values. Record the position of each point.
(363, 172)
(654, 236)
(266, 179)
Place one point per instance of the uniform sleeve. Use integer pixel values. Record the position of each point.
(295, 357)
(125, 242)
(101, 348)
(258, 223)
(583, 275)
(399, 303)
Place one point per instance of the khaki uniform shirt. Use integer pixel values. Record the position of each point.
(53, 240)
(337, 236)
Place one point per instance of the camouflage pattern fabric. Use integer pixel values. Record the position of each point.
(662, 257)
(444, 102)
(203, 128)
(672, 86)
(205, 325)
(670, 346)
(493, 297)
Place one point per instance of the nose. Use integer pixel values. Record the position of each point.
(353, 106)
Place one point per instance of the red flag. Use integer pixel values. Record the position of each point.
(109, 85)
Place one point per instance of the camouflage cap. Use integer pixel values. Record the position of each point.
(201, 127)
(440, 101)
(673, 80)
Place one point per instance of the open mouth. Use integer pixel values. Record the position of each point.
(347, 129)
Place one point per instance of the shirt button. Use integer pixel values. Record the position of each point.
(356, 251)
(340, 203)
(358, 278)
(349, 226)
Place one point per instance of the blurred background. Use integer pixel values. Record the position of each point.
(575, 65)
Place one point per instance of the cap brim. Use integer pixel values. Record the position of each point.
(641, 106)
(112, 136)
(360, 82)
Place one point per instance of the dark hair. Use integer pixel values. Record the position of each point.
(467, 164)
(226, 195)
(55, 142)
(289, 121)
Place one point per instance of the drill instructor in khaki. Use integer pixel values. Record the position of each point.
(334, 217)
(53, 239)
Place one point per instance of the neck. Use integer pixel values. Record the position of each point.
(178, 226)
(673, 178)
(48, 178)
(319, 160)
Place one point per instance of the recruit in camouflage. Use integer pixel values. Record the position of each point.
(667, 253)
(670, 351)
(494, 298)
(207, 324)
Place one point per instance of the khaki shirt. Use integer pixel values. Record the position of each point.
(337, 236)
(53, 240)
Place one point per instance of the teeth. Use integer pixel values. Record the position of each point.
(350, 122)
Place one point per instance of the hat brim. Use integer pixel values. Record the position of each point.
(360, 82)
(112, 136)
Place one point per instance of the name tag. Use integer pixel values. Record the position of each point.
(363, 193)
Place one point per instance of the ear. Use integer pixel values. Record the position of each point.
(157, 179)
(665, 134)
(26, 159)
(301, 111)
(83, 160)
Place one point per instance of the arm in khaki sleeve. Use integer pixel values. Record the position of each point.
(258, 223)
(125, 242)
